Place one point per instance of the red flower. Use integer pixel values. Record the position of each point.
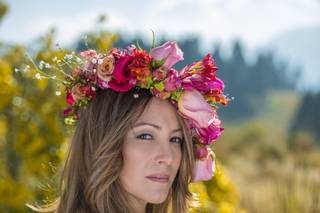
(139, 67)
(122, 80)
(210, 67)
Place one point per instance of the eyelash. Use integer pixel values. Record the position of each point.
(140, 137)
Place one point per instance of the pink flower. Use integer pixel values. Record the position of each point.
(200, 152)
(122, 80)
(69, 98)
(159, 74)
(170, 52)
(89, 54)
(161, 94)
(193, 106)
(210, 133)
(67, 111)
(79, 92)
(204, 168)
(202, 77)
(172, 82)
(202, 117)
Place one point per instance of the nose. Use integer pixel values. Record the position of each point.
(164, 154)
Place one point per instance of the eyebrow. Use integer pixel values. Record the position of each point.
(154, 126)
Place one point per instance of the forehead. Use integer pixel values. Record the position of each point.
(160, 112)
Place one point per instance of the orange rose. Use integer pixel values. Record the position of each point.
(105, 69)
(77, 93)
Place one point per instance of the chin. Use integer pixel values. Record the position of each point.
(157, 199)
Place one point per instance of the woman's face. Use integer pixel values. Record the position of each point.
(152, 153)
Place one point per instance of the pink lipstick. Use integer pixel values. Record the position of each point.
(159, 178)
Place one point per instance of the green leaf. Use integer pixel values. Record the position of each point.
(159, 86)
(153, 39)
(176, 95)
(138, 46)
(69, 121)
(149, 80)
(155, 64)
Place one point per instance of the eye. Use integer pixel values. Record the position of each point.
(144, 137)
(176, 140)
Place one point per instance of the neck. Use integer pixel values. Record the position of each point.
(141, 208)
(139, 205)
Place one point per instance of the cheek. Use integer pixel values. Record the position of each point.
(177, 158)
(132, 162)
(133, 170)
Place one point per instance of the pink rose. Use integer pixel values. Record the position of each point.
(170, 52)
(193, 106)
(201, 116)
(204, 168)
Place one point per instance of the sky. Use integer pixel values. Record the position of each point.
(255, 22)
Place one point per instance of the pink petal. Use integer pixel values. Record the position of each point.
(193, 106)
(204, 169)
(70, 99)
(169, 51)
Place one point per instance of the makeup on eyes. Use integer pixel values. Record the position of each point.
(155, 126)
(149, 136)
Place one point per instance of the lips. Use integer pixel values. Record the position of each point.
(159, 178)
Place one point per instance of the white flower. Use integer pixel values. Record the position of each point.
(100, 61)
(16, 70)
(94, 61)
(48, 66)
(26, 68)
(78, 60)
(54, 77)
(68, 56)
(136, 95)
(38, 76)
(58, 93)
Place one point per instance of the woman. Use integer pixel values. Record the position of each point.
(138, 122)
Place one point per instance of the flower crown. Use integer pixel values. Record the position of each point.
(195, 90)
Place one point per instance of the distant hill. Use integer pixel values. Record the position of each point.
(301, 47)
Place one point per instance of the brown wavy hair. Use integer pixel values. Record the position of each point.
(89, 180)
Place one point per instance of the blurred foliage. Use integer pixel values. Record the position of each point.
(31, 133)
(216, 195)
(3, 9)
(269, 175)
(307, 120)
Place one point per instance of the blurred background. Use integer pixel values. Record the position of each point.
(268, 55)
